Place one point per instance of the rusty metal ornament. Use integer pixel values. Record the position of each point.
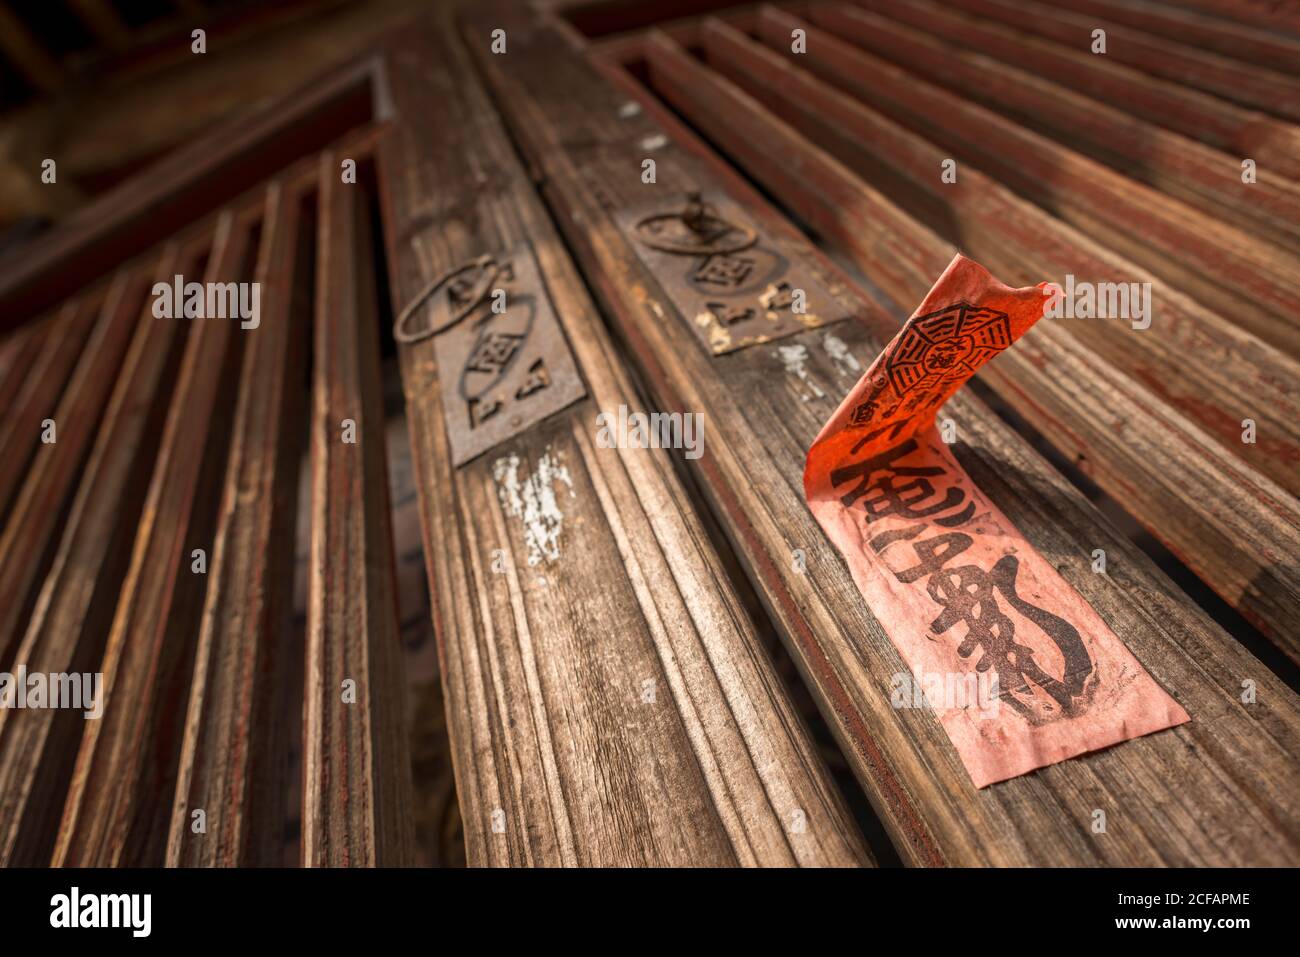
(694, 230)
(448, 298)
(503, 362)
(734, 287)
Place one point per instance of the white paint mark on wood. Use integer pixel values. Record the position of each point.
(844, 360)
(794, 358)
(533, 501)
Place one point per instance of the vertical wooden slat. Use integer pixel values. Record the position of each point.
(1230, 270)
(1264, 14)
(1236, 130)
(102, 800)
(77, 599)
(979, 60)
(1249, 44)
(60, 345)
(233, 758)
(1249, 84)
(357, 781)
(32, 529)
(126, 764)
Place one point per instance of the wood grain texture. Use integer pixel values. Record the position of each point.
(1001, 68)
(357, 803)
(1248, 44)
(59, 348)
(1251, 562)
(1237, 130)
(1250, 85)
(611, 704)
(1218, 790)
(119, 801)
(114, 801)
(1263, 14)
(153, 628)
(72, 604)
(233, 759)
(31, 532)
(1192, 358)
(1229, 270)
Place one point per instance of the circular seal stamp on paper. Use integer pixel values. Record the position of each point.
(945, 346)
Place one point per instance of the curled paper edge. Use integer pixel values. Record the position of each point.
(1117, 699)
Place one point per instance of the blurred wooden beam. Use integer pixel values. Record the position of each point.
(26, 54)
(103, 21)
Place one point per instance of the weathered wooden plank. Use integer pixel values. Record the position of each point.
(60, 345)
(101, 532)
(1199, 175)
(1161, 506)
(234, 754)
(1251, 85)
(32, 530)
(1193, 358)
(1230, 270)
(357, 781)
(120, 797)
(1264, 14)
(1146, 107)
(78, 596)
(609, 698)
(1250, 44)
(1172, 797)
(121, 794)
(1261, 13)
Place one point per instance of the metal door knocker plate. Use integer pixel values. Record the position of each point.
(503, 361)
(734, 288)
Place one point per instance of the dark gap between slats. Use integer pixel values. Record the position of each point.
(146, 841)
(137, 13)
(301, 317)
(602, 19)
(113, 571)
(438, 831)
